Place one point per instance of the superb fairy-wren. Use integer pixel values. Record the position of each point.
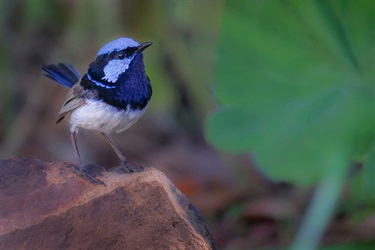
(112, 95)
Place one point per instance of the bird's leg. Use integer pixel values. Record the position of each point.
(82, 170)
(128, 168)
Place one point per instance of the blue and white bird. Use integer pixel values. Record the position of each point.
(112, 95)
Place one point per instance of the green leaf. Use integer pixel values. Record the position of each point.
(362, 187)
(354, 246)
(295, 80)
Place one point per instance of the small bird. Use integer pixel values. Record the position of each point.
(112, 95)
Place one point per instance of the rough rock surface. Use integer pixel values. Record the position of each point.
(47, 206)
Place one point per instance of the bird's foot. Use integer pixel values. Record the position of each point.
(82, 171)
(128, 168)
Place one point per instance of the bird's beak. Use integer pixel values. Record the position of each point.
(143, 46)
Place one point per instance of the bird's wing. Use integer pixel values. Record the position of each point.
(75, 99)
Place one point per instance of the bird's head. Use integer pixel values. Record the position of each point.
(114, 59)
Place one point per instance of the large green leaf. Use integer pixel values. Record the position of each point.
(362, 191)
(295, 81)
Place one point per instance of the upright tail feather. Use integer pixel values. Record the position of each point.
(64, 74)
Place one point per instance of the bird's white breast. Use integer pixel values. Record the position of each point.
(99, 116)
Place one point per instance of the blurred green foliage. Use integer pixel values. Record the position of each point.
(354, 246)
(295, 81)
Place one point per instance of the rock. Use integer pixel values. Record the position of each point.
(47, 206)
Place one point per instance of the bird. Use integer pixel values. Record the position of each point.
(109, 98)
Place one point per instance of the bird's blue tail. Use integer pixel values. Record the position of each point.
(64, 74)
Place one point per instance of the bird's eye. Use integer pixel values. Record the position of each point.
(121, 55)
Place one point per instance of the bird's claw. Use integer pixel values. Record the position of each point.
(83, 173)
(128, 168)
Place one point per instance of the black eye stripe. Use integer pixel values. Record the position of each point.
(115, 54)
(130, 50)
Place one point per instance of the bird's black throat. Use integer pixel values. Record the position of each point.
(132, 88)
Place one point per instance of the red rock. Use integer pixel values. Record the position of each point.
(47, 206)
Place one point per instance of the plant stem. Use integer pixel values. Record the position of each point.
(321, 208)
